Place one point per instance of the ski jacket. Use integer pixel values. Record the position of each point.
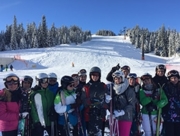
(93, 90)
(47, 103)
(62, 104)
(146, 98)
(9, 110)
(159, 81)
(171, 112)
(54, 88)
(125, 100)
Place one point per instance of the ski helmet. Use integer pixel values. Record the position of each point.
(161, 66)
(11, 78)
(28, 79)
(42, 77)
(82, 72)
(118, 74)
(125, 67)
(146, 76)
(95, 70)
(173, 73)
(65, 81)
(52, 75)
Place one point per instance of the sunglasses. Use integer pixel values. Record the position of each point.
(71, 85)
(11, 83)
(161, 67)
(52, 80)
(132, 75)
(12, 78)
(44, 80)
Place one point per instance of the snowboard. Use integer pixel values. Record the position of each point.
(21, 126)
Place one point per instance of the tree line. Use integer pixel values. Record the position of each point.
(17, 37)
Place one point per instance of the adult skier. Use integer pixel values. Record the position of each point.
(151, 99)
(10, 98)
(66, 102)
(171, 112)
(123, 102)
(40, 108)
(95, 99)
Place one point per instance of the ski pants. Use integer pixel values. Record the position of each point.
(62, 131)
(146, 124)
(171, 128)
(9, 133)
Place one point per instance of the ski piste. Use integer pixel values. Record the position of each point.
(67, 128)
(159, 113)
(39, 107)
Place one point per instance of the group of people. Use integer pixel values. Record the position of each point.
(6, 68)
(80, 107)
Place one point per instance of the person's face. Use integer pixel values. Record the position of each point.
(147, 81)
(26, 85)
(126, 72)
(44, 82)
(76, 81)
(132, 81)
(52, 81)
(12, 85)
(70, 87)
(160, 72)
(95, 76)
(117, 80)
(82, 78)
(174, 80)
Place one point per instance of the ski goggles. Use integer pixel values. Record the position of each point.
(173, 73)
(11, 83)
(43, 80)
(161, 67)
(11, 78)
(82, 72)
(52, 79)
(132, 75)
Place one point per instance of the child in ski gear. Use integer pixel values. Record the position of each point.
(26, 84)
(94, 99)
(126, 70)
(151, 99)
(171, 112)
(52, 83)
(66, 103)
(47, 102)
(133, 83)
(10, 98)
(160, 79)
(109, 76)
(123, 103)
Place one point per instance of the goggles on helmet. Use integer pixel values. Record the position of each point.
(161, 67)
(173, 73)
(82, 72)
(43, 80)
(132, 75)
(11, 78)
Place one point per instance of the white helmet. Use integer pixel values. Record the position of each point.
(41, 76)
(118, 74)
(52, 75)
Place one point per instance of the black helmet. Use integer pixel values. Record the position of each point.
(161, 66)
(173, 73)
(95, 70)
(65, 81)
(28, 79)
(145, 76)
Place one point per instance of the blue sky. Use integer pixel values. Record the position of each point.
(93, 14)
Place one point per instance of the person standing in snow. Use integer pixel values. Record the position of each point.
(26, 91)
(171, 112)
(1, 68)
(95, 99)
(10, 98)
(6, 67)
(123, 103)
(47, 103)
(52, 83)
(11, 67)
(66, 102)
(151, 99)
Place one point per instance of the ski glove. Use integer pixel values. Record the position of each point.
(115, 68)
(107, 98)
(23, 114)
(151, 107)
(118, 113)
